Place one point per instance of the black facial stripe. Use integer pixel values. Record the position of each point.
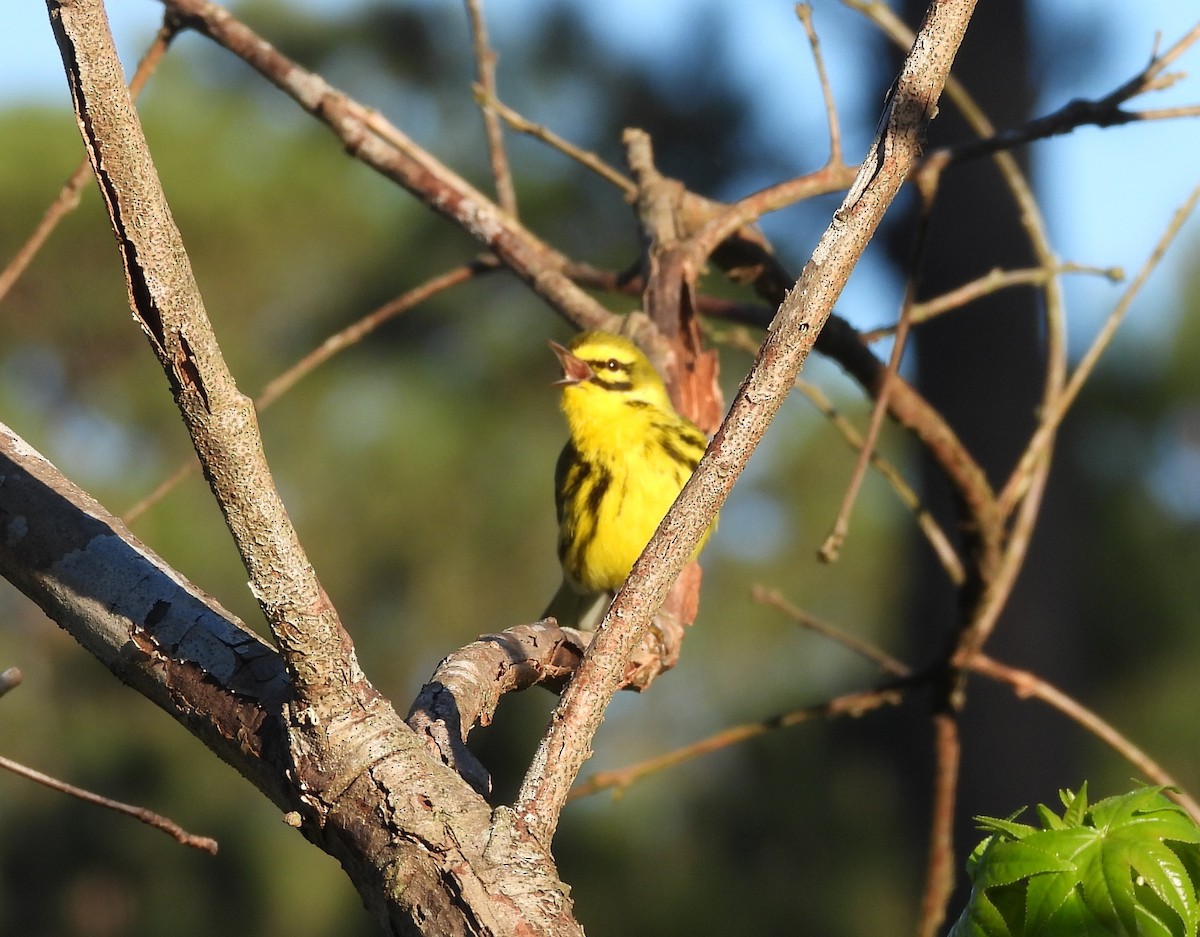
(603, 381)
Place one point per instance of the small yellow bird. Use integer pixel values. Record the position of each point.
(628, 457)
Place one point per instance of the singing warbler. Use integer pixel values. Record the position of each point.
(628, 456)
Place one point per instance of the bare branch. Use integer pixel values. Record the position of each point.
(1057, 410)
(467, 686)
(485, 74)
(585, 158)
(567, 742)
(939, 878)
(1026, 684)
(383, 147)
(167, 305)
(879, 658)
(1100, 112)
(942, 547)
(991, 282)
(137, 616)
(333, 345)
(852, 704)
(149, 817)
(804, 12)
(833, 542)
(68, 198)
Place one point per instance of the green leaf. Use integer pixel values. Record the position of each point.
(1044, 898)
(1010, 862)
(981, 918)
(1076, 804)
(1122, 867)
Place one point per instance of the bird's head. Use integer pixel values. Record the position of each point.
(603, 363)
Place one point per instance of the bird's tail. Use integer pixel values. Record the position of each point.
(574, 609)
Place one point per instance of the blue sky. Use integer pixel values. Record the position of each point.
(1107, 194)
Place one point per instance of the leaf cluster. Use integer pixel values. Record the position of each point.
(1125, 865)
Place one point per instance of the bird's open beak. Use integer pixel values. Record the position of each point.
(575, 370)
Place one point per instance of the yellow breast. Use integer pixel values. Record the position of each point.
(617, 478)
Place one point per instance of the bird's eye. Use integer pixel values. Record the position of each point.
(613, 364)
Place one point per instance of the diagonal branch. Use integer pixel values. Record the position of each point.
(485, 73)
(149, 817)
(566, 744)
(167, 305)
(155, 631)
(383, 147)
(67, 199)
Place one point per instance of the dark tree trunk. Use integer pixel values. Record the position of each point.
(983, 368)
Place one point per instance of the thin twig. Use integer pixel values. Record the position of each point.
(852, 704)
(149, 817)
(68, 197)
(832, 546)
(939, 877)
(485, 73)
(585, 158)
(1101, 112)
(1056, 411)
(1027, 684)
(804, 11)
(10, 679)
(880, 658)
(991, 282)
(334, 344)
(942, 547)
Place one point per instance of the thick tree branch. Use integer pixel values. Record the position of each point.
(414, 839)
(154, 630)
(167, 305)
(417, 842)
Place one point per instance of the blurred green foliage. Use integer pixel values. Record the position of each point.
(417, 467)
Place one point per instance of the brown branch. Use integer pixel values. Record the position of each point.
(804, 12)
(833, 177)
(147, 624)
(466, 687)
(368, 137)
(566, 744)
(1056, 411)
(852, 704)
(1026, 684)
(939, 877)
(879, 658)
(547, 136)
(485, 75)
(10, 679)
(68, 197)
(832, 545)
(1100, 112)
(991, 282)
(333, 345)
(167, 305)
(942, 547)
(149, 817)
